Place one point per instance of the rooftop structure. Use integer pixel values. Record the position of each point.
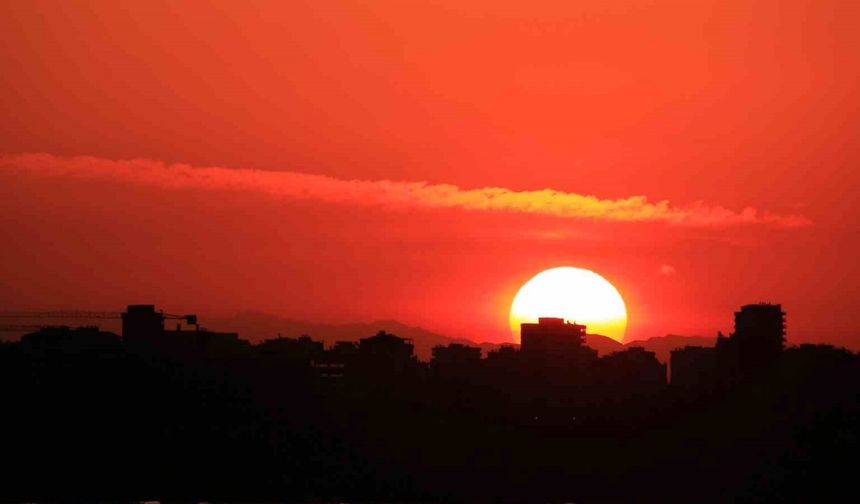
(551, 335)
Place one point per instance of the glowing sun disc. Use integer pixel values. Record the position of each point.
(574, 294)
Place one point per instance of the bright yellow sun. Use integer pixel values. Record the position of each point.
(575, 294)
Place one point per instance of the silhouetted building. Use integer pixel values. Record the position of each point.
(387, 346)
(751, 351)
(141, 323)
(65, 341)
(554, 350)
(553, 365)
(694, 367)
(551, 336)
(455, 360)
(504, 355)
(503, 367)
(302, 349)
(334, 363)
(385, 352)
(143, 331)
(343, 351)
(199, 343)
(759, 337)
(633, 368)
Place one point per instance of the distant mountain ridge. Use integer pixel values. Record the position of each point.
(662, 346)
(257, 326)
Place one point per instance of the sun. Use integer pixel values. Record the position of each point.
(575, 294)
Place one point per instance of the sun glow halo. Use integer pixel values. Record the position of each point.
(574, 294)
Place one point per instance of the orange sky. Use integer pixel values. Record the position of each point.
(337, 158)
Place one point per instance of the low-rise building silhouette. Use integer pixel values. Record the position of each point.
(551, 335)
(67, 341)
(694, 367)
(336, 361)
(502, 356)
(633, 368)
(302, 349)
(455, 360)
(385, 353)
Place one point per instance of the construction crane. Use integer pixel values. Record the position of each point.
(64, 315)
(20, 328)
(71, 314)
(76, 314)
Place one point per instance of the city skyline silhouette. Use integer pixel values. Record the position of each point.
(189, 413)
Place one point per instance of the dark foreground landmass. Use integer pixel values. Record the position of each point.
(87, 416)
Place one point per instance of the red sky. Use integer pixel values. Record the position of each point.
(336, 158)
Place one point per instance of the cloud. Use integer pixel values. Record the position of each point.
(391, 194)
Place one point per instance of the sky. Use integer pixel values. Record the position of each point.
(420, 160)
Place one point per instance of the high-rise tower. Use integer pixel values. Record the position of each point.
(759, 336)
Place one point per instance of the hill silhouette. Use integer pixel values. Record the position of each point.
(662, 346)
(603, 344)
(257, 326)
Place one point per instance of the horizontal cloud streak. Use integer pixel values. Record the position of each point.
(389, 193)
